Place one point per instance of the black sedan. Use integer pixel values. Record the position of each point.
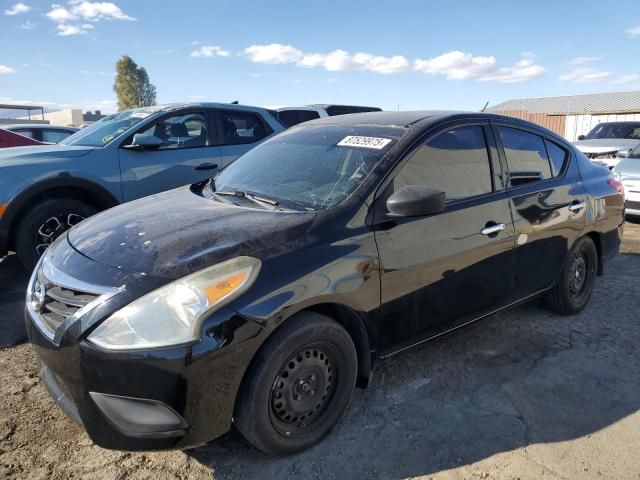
(262, 297)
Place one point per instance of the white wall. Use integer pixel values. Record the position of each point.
(576, 125)
(71, 116)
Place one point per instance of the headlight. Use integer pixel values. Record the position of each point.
(624, 153)
(616, 175)
(172, 314)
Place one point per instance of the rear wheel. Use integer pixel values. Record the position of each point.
(572, 293)
(299, 386)
(44, 223)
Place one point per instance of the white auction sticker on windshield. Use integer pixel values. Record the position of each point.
(376, 143)
(139, 115)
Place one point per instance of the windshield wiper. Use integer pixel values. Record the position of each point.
(254, 198)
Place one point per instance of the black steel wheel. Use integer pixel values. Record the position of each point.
(572, 293)
(44, 223)
(303, 388)
(299, 385)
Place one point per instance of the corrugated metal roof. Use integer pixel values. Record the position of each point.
(612, 102)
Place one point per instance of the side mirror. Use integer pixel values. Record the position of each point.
(416, 201)
(581, 137)
(144, 142)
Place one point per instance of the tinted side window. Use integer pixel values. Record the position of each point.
(557, 155)
(289, 118)
(455, 161)
(25, 133)
(306, 115)
(181, 131)
(242, 127)
(54, 136)
(526, 156)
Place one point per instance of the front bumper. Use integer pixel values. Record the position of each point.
(169, 398)
(196, 384)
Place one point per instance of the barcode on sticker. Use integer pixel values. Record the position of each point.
(376, 143)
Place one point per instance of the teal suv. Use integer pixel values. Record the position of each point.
(45, 190)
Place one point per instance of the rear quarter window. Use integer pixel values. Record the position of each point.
(558, 157)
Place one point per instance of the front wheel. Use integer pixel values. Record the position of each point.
(44, 223)
(299, 385)
(572, 293)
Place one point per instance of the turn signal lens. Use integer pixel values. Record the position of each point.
(225, 286)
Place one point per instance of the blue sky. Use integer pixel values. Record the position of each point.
(411, 54)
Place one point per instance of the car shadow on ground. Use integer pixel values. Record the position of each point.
(520, 378)
(13, 284)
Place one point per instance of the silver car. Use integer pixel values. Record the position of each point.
(609, 142)
(627, 171)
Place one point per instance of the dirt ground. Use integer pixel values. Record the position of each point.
(523, 395)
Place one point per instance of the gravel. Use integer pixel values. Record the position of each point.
(523, 394)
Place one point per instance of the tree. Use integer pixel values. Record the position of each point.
(132, 85)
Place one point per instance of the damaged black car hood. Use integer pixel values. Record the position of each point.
(179, 232)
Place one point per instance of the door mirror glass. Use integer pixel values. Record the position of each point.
(145, 142)
(416, 201)
(581, 137)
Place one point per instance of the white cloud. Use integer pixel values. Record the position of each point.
(164, 52)
(457, 65)
(17, 9)
(273, 53)
(88, 11)
(522, 71)
(626, 79)
(210, 51)
(584, 75)
(28, 25)
(634, 32)
(69, 18)
(65, 30)
(335, 61)
(5, 69)
(583, 60)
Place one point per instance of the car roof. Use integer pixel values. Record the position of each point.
(398, 119)
(36, 126)
(227, 106)
(422, 119)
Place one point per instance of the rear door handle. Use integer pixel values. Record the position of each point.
(207, 166)
(577, 206)
(491, 229)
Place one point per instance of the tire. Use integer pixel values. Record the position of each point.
(44, 223)
(279, 409)
(572, 293)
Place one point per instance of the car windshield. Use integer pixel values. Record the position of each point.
(615, 130)
(314, 167)
(104, 131)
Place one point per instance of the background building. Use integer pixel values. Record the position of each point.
(573, 115)
(37, 114)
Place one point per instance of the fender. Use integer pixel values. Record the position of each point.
(103, 199)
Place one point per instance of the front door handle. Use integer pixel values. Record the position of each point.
(493, 228)
(207, 166)
(577, 206)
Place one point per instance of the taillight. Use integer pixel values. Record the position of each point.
(617, 185)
